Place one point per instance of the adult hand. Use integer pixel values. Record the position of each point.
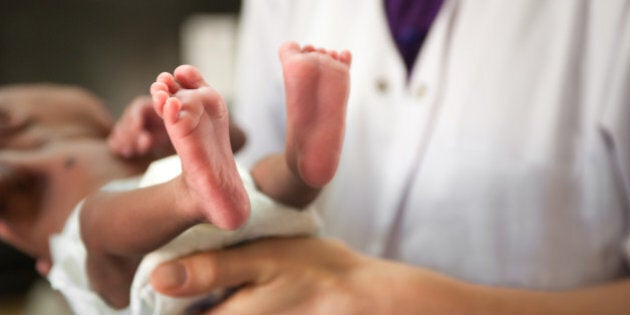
(316, 276)
(307, 276)
(140, 132)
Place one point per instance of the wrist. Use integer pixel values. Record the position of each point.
(396, 288)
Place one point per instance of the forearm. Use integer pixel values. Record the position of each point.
(437, 294)
(274, 178)
(609, 298)
(395, 288)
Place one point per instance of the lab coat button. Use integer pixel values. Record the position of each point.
(421, 91)
(381, 85)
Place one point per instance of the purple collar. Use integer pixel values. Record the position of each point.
(409, 23)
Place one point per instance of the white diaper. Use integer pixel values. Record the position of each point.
(267, 218)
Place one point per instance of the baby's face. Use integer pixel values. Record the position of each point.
(39, 188)
(44, 131)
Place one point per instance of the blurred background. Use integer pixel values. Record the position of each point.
(114, 48)
(111, 47)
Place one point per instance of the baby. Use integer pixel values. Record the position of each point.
(52, 154)
(119, 228)
(209, 188)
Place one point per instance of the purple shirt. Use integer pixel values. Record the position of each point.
(409, 23)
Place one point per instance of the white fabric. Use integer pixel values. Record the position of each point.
(68, 275)
(504, 160)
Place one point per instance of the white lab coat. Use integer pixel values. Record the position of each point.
(504, 160)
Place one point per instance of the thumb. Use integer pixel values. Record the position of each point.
(207, 271)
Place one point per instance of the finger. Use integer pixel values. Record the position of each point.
(142, 101)
(114, 141)
(135, 119)
(124, 130)
(43, 266)
(119, 142)
(143, 143)
(205, 272)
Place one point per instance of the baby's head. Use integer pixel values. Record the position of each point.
(34, 114)
(47, 132)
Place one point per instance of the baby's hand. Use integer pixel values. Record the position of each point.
(140, 132)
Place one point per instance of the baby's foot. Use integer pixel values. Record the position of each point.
(317, 84)
(197, 123)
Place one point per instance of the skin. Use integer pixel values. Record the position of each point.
(320, 276)
(209, 188)
(51, 139)
(297, 175)
(34, 115)
(140, 132)
(55, 150)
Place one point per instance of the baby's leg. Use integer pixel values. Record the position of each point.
(197, 122)
(317, 85)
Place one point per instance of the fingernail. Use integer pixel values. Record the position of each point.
(170, 276)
